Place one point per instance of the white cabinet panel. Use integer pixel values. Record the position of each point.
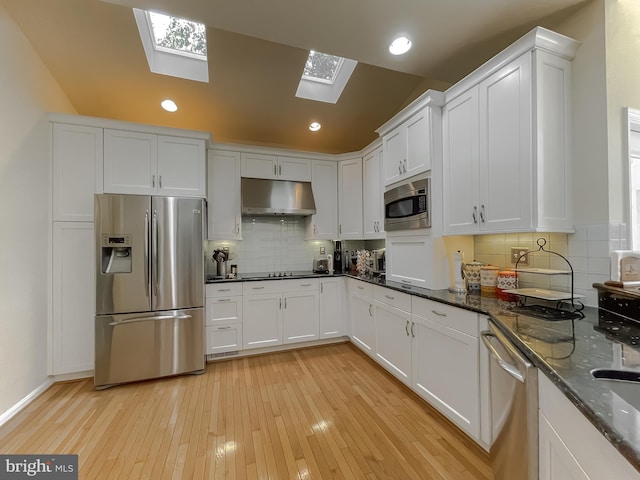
(331, 308)
(301, 316)
(256, 165)
(419, 141)
(395, 146)
(372, 195)
(556, 460)
(223, 310)
(130, 162)
(77, 171)
(292, 168)
(393, 340)
(262, 320)
(223, 338)
(419, 260)
(363, 331)
(181, 169)
(350, 198)
(223, 194)
(73, 297)
(324, 183)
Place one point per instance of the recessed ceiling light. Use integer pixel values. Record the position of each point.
(400, 45)
(314, 126)
(169, 105)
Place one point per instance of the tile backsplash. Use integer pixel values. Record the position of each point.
(270, 245)
(587, 250)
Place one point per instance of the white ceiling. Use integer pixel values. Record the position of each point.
(256, 54)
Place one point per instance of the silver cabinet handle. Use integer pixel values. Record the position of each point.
(406, 281)
(275, 171)
(474, 214)
(160, 181)
(370, 313)
(224, 300)
(413, 333)
(482, 213)
(224, 289)
(305, 284)
(153, 181)
(440, 314)
(257, 288)
(389, 297)
(145, 319)
(359, 287)
(280, 304)
(322, 288)
(224, 328)
(340, 229)
(406, 327)
(400, 167)
(405, 165)
(279, 169)
(285, 302)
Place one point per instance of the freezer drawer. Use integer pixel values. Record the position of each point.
(149, 345)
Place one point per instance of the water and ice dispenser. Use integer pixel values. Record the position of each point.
(116, 253)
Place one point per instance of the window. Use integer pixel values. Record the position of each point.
(324, 77)
(173, 46)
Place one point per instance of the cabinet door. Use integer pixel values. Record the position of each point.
(372, 195)
(262, 320)
(181, 167)
(324, 182)
(224, 202)
(300, 317)
(556, 460)
(77, 171)
(330, 309)
(394, 145)
(73, 297)
(257, 165)
(223, 310)
(409, 260)
(350, 198)
(445, 372)
(130, 162)
(297, 169)
(363, 330)
(223, 338)
(418, 144)
(393, 340)
(505, 148)
(460, 164)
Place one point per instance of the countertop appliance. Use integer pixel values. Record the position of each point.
(378, 261)
(407, 206)
(276, 197)
(320, 265)
(514, 409)
(149, 319)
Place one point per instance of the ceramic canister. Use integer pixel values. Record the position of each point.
(472, 274)
(489, 280)
(507, 280)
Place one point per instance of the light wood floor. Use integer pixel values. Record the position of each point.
(321, 413)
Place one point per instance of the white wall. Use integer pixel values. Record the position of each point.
(27, 91)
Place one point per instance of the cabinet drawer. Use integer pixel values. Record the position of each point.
(230, 289)
(300, 285)
(223, 338)
(457, 318)
(359, 287)
(262, 287)
(392, 297)
(224, 310)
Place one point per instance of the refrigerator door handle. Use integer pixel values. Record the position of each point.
(146, 252)
(144, 319)
(154, 253)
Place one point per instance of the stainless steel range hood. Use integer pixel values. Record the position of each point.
(262, 197)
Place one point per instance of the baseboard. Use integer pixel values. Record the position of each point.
(6, 416)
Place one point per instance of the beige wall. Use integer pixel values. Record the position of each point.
(623, 90)
(27, 91)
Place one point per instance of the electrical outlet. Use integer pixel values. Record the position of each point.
(518, 252)
(321, 250)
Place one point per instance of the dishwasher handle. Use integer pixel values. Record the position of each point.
(504, 364)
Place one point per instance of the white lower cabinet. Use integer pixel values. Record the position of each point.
(363, 332)
(223, 338)
(73, 297)
(223, 326)
(262, 320)
(300, 317)
(393, 340)
(570, 448)
(446, 362)
(331, 324)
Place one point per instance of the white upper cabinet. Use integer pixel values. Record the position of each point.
(411, 139)
(148, 164)
(324, 183)
(273, 167)
(77, 171)
(372, 195)
(223, 197)
(506, 141)
(350, 198)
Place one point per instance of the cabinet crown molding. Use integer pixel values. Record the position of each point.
(432, 98)
(539, 38)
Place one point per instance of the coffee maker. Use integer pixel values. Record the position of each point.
(337, 257)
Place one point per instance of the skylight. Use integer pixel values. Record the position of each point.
(173, 46)
(324, 77)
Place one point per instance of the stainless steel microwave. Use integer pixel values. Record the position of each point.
(408, 206)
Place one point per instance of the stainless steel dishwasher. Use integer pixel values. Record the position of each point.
(514, 409)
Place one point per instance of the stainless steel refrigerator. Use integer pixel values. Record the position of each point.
(149, 287)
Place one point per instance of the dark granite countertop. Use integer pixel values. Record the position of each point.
(252, 277)
(564, 350)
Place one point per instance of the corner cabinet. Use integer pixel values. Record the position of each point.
(350, 199)
(410, 140)
(507, 142)
(149, 164)
(224, 217)
(324, 183)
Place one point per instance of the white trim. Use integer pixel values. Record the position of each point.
(432, 98)
(633, 124)
(320, 90)
(9, 414)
